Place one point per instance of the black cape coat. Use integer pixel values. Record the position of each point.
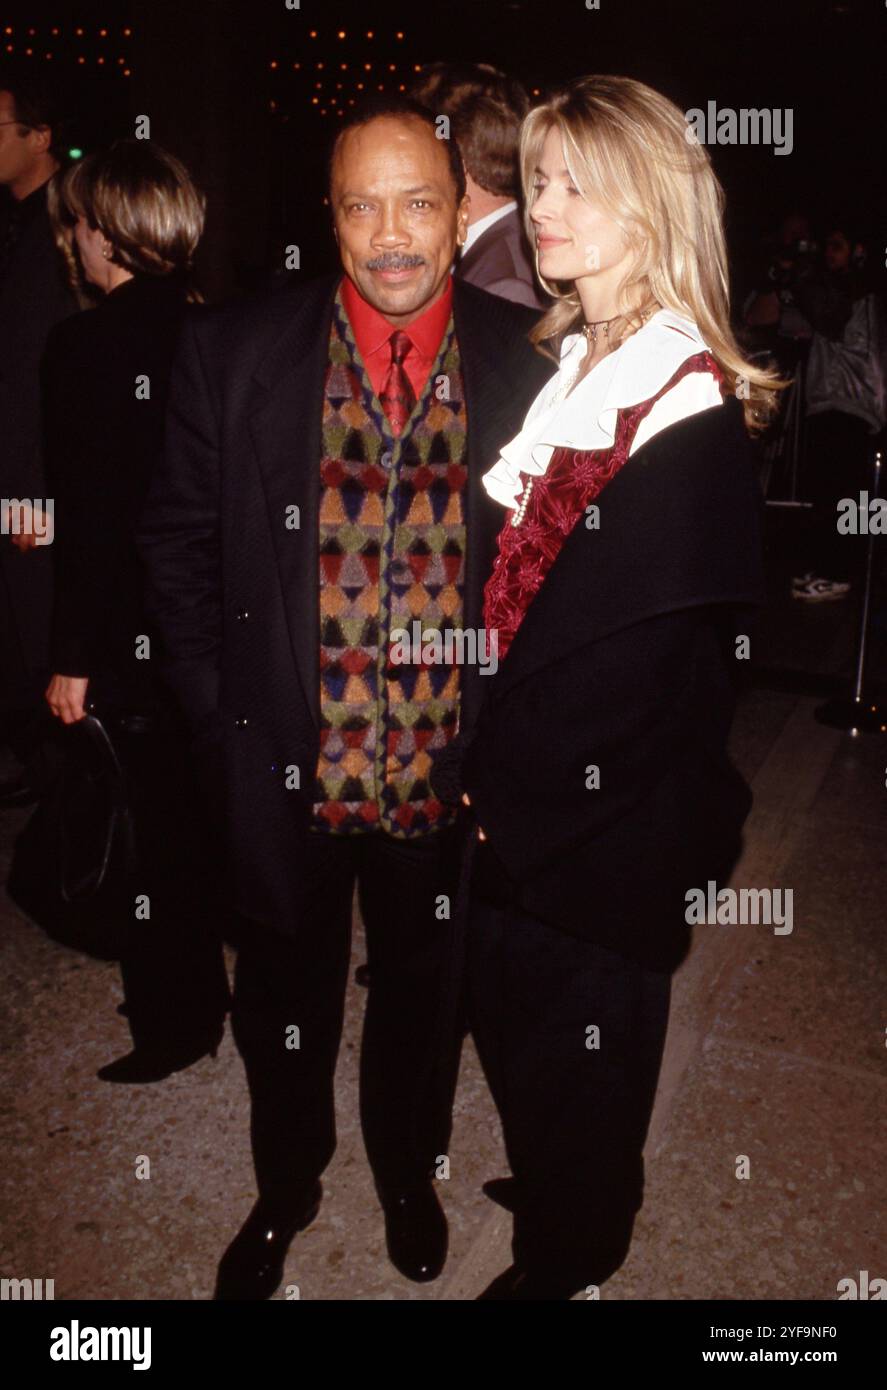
(626, 661)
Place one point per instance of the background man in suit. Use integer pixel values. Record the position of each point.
(321, 489)
(485, 109)
(34, 295)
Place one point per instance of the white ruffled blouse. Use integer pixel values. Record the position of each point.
(586, 418)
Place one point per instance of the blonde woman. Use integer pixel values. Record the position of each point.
(596, 770)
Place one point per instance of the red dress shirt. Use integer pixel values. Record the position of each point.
(372, 332)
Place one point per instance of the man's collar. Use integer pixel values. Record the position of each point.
(374, 330)
(483, 224)
(31, 204)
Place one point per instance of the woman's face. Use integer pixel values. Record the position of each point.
(90, 242)
(574, 237)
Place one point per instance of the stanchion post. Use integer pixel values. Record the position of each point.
(859, 713)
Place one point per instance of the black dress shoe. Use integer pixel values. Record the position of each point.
(252, 1267)
(516, 1285)
(146, 1064)
(416, 1231)
(503, 1191)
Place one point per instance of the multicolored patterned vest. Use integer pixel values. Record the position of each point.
(392, 551)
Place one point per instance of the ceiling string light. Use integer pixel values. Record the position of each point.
(347, 92)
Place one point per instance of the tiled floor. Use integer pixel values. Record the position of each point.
(776, 1052)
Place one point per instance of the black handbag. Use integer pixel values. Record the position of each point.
(73, 863)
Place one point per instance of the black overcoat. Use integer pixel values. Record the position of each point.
(34, 295)
(105, 380)
(233, 582)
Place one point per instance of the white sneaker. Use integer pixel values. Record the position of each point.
(812, 589)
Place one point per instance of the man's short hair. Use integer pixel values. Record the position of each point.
(37, 103)
(486, 108)
(398, 107)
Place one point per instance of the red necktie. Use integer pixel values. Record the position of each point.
(397, 394)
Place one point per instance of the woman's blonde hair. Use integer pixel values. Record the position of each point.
(627, 149)
(143, 201)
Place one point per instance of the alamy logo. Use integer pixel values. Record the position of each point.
(863, 1288)
(863, 518)
(76, 1343)
(453, 647)
(15, 1290)
(732, 907)
(26, 516)
(746, 126)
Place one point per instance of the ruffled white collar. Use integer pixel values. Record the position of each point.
(586, 418)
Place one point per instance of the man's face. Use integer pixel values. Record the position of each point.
(18, 153)
(837, 251)
(396, 216)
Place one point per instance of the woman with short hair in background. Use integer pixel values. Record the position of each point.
(131, 220)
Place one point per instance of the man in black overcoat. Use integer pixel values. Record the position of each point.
(322, 488)
(34, 295)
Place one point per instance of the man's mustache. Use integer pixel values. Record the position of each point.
(392, 260)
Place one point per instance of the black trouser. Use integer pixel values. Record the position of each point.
(575, 1117)
(298, 980)
(25, 608)
(172, 963)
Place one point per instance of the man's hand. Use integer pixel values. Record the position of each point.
(480, 833)
(65, 696)
(36, 525)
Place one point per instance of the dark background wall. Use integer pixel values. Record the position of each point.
(248, 97)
